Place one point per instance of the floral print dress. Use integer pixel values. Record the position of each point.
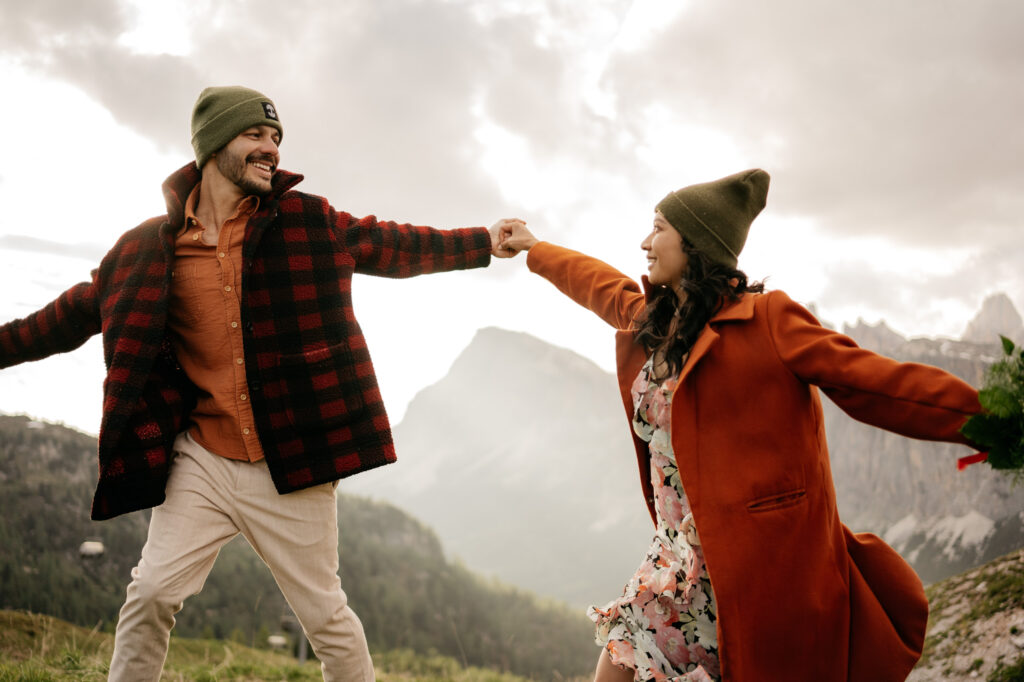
(663, 625)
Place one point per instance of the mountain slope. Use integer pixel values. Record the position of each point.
(976, 625)
(521, 458)
(408, 595)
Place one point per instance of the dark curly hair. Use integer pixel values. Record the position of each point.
(670, 323)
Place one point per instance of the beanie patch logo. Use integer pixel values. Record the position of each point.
(270, 111)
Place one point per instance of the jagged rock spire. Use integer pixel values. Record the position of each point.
(997, 316)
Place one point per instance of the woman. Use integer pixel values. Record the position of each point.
(750, 577)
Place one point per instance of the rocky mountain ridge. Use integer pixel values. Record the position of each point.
(942, 520)
(997, 316)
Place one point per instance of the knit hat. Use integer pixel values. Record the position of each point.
(715, 216)
(221, 113)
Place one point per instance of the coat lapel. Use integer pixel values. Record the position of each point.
(180, 183)
(630, 358)
(269, 207)
(741, 310)
(685, 429)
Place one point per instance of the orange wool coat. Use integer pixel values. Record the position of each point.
(800, 597)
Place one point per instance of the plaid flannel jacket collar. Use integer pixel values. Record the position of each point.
(181, 182)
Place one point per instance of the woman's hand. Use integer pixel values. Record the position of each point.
(499, 232)
(515, 237)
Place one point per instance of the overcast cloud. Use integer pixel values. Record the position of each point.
(898, 119)
(890, 118)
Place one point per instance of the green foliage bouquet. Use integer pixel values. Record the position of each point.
(1001, 427)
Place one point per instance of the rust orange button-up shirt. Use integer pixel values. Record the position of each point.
(206, 331)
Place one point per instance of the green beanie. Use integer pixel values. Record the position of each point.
(221, 113)
(715, 216)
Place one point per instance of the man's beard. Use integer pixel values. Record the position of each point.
(234, 167)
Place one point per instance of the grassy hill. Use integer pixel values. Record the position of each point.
(409, 596)
(975, 633)
(35, 648)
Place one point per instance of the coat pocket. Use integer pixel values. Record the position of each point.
(779, 501)
(323, 391)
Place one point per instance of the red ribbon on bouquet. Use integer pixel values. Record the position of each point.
(967, 461)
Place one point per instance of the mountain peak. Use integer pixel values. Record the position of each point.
(877, 337)
(997, 316)
(500, 353)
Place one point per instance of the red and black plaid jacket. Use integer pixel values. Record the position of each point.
(314, 393)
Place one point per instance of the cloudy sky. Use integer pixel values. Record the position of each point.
(891, 130)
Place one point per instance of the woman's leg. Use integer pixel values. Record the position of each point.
(609, 672)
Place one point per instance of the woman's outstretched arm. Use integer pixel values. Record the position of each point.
(592, 283)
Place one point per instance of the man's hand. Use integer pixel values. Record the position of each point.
(500, 231)
(517, 238)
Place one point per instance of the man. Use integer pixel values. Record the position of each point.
(239, 387)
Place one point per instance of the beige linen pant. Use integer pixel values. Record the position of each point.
(210, 499)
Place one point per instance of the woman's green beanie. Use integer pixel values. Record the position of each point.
(221, 113)
(715, 216)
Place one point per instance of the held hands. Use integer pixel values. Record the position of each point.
(514, 237)
(500, 232)
(509, 237)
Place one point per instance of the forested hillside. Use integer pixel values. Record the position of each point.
(406, 592)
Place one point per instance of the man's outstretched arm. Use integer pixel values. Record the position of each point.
(63, 325)
(391, 249)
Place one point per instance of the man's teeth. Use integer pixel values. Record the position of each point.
(261, 166)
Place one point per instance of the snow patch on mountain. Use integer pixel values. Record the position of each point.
(956, 533)
(901, 532)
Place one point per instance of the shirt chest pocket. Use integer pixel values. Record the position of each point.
(186, 301)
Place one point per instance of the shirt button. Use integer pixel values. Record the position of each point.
(239, 360)
(227, 288)
(245, 431)
(243, 397)
(195, 237)
(221, 254)
(234, 325)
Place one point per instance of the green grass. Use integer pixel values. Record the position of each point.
(1002, 591)
(36, 648)
(1012, 673)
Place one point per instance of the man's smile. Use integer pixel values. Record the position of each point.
(263, 166)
